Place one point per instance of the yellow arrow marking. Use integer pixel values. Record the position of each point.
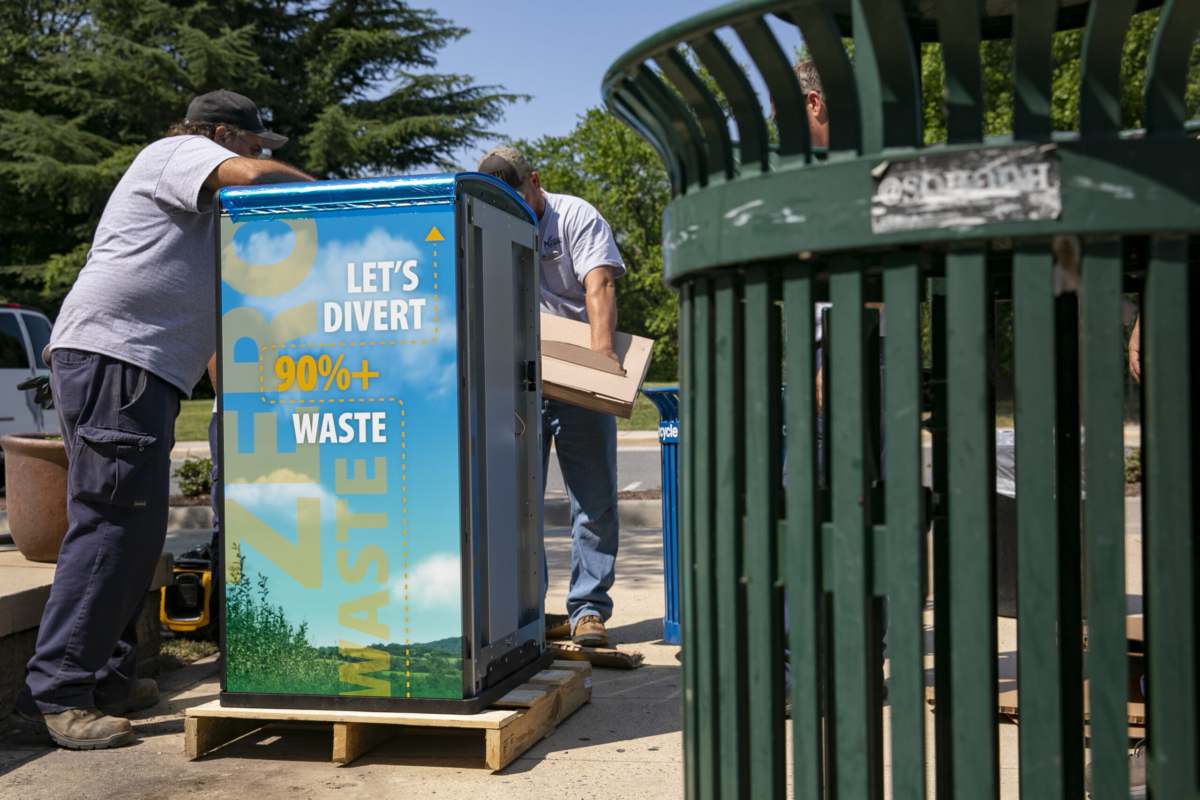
(435, 235)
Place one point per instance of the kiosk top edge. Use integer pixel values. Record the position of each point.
(383, 192)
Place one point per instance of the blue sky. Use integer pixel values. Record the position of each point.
(558, 52)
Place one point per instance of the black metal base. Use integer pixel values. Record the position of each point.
(428, 705)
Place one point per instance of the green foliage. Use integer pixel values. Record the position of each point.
(1133, 466)
(265, 652)
(612, 168)
(88, 84)
(195, 477)
(996, 57)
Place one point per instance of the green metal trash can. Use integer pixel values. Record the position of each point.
(1064, 224)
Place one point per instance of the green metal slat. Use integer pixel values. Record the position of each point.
(1167, 522)
(1038, 657)
(703, 465)
(1070, 552)
(1033, 68)
(943, 676)
(905, 536)
(1167, 67)
(706, 108)
(1103, 376)
(687, 542)
(684, 168)
(824, 40)
(732, 667)
(802, 545)
(752, 128)
(763, 473)
(1100, 68)
(776, 70)
(634, 112)
(887, 64)
(959, 33)
(971, 445)
(855, 687)
(690, 140)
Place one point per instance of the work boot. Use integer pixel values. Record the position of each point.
(1137, 773)
(590, 632)
(558, 626)
(144, 696)
(76, 729)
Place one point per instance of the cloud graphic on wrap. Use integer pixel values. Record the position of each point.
(435, 582)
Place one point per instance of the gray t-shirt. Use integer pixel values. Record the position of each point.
(574, 240)
(146, 295)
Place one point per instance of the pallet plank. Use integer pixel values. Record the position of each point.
(523, 696)
(484, 719)
(353, 739)
(202, 735)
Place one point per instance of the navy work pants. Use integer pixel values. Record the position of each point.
(118, 424)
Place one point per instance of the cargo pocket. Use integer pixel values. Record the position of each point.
(110, 466)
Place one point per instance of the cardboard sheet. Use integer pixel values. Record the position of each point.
(568, 373)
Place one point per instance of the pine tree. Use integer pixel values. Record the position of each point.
(88, 84)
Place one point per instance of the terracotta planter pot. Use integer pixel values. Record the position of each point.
(36, 472)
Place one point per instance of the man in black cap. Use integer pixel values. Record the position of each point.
(133, 337)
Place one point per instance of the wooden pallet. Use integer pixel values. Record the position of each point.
(510, 727)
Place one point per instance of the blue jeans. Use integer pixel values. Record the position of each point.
(586, 441)
(118, 425)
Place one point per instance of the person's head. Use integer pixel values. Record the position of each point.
(508, 165)
(814, 102)
(231, 120)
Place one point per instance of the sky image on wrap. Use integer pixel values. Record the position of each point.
(342, 534)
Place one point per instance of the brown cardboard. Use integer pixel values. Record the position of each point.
(575, 383)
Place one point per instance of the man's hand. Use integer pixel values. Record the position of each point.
(253, 172)
(602, 309)
(212, 370)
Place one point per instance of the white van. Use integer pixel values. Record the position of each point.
(24, 332)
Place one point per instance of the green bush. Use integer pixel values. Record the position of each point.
(1133, 466)
(266, 652)
(194, 477)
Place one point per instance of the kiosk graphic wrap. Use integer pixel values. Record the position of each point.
(379, 449)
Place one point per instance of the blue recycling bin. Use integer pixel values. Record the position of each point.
(666, 400)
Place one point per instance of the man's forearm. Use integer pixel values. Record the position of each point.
(602, 309)
(253, 172)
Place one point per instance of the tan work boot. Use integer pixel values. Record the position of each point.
(144, 696)
(76, 729)
(590, 632)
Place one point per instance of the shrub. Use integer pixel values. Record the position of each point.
(1133, 466)
(194, 477)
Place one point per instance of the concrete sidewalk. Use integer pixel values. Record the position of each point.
(625, 744)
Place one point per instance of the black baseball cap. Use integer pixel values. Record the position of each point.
(230, 108)
(506, 164)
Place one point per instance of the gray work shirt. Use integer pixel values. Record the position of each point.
(147, 295)
(574, 239)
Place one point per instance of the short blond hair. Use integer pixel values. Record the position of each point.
(809, 78)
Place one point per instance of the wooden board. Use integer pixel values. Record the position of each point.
(1008, 704)
(579, 384)
(510, 727)
(598, 656)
